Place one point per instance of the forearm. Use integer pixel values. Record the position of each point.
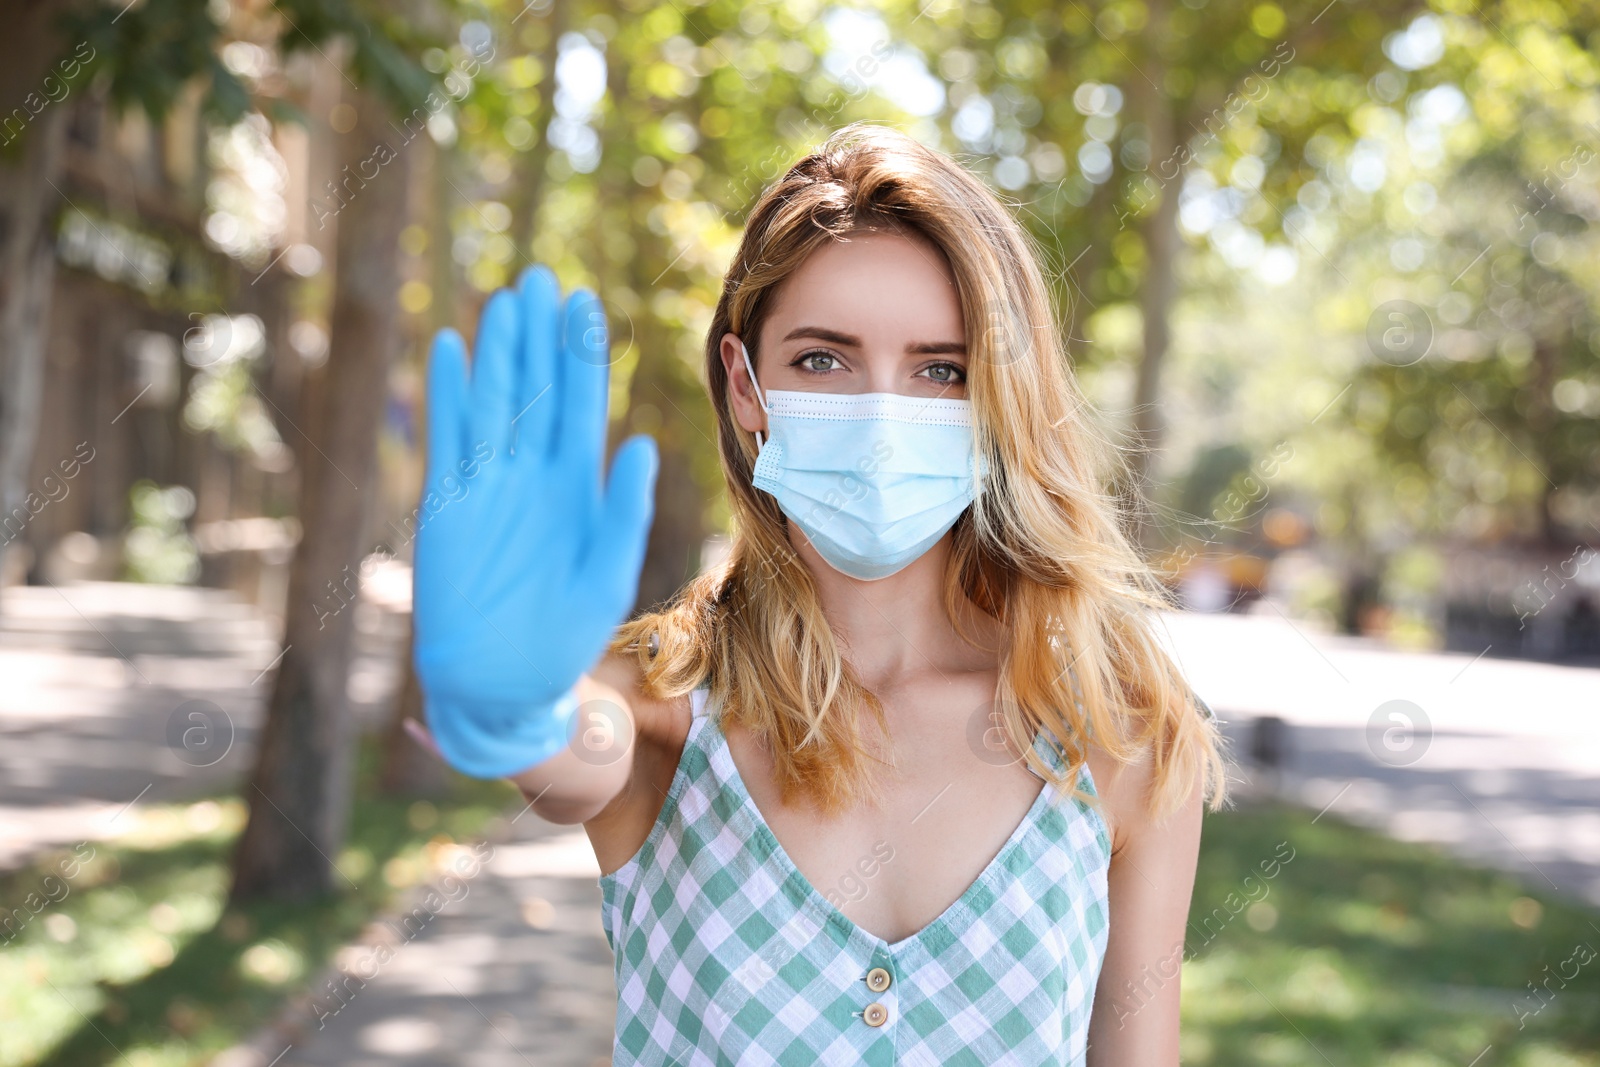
(577, 783)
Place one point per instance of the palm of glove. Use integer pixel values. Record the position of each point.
(524, 566)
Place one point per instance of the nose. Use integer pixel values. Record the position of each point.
(884, 374)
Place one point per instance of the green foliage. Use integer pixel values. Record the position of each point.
(157, 548)
(149, 51)
(383, 45)
(1483, 426)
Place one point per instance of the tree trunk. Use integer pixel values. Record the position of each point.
(409, 769)
(300, 793)
(660, 381)
(1159, 235)
(678, 528)
(1541, 421)
(29, 163)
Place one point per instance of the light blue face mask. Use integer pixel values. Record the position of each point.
(873, 479)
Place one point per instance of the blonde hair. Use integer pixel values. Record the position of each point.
(1041, 549)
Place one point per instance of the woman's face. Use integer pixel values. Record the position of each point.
(876, 313)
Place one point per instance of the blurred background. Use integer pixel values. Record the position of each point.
(1329, 271)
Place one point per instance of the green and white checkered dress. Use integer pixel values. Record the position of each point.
(725, 954)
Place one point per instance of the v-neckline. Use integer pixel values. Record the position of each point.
(939, 924)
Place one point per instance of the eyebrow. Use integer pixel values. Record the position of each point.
(921, 348)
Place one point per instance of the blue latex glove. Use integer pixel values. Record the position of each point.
(524, 567)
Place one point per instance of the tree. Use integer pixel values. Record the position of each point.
(146, 55)
(1481, 376)
(300, 791)
(1093, 116)
(33, 72)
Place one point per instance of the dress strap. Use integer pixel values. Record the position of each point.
(1048, 749)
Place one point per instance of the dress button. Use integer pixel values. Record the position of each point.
(875, 1014)
(878, 979)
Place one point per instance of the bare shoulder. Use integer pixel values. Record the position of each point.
(1125, 791)
(660, 729)
(1122, 789)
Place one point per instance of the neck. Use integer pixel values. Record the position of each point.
(896, 627)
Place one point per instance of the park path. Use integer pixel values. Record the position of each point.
(1505, 771)
(512, 970)
(1497, 760)
(102, 679)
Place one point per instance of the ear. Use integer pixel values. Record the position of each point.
(741, 394)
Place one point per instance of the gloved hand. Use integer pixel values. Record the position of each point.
(524, 567)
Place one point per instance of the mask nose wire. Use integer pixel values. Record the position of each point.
(749, 369)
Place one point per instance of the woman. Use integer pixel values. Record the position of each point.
(908, 777)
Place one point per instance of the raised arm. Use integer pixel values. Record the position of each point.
(525, 563)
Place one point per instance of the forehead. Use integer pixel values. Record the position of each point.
(901, 283)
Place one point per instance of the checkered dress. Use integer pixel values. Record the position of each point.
(725, 954)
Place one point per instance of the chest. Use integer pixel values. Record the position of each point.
(948, 933)
(942, 816)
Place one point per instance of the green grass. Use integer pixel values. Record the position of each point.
(1367, 951)
(139, 963)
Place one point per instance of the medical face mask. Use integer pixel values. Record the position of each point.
(873, 479)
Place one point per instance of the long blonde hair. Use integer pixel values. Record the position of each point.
(1041, 549)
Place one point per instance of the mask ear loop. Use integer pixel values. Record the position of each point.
(754, 385)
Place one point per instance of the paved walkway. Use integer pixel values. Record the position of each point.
(1497, 760)
(103, 679)
(512, 970)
